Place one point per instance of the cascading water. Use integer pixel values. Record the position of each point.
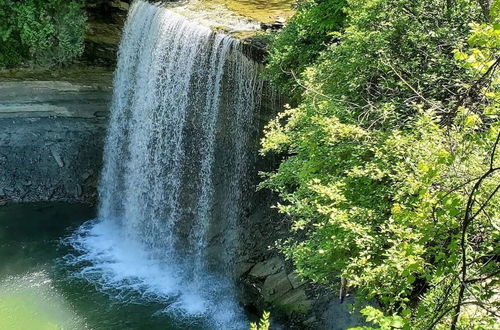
(175, 160)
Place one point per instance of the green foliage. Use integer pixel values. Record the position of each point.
(383, 158)
(384, 322)
(43, 32)
(264, 323)
(308, 33)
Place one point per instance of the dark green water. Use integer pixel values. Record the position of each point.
(38, 290)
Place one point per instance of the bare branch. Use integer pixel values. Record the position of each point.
(468, 218)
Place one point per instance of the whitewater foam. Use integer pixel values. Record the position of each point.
(125, 270)
(175, 160)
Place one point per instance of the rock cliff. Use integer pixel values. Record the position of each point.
(51, 134)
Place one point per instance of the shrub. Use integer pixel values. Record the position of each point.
(306, 35)
(390, 164)
(40, 32)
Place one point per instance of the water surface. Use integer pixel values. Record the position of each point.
(40, 290)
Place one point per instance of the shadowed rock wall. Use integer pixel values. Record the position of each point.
(51, 136)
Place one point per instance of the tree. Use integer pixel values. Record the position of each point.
(388, 173)
(40, 32)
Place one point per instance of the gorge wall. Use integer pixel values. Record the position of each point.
(52, 129)
(51, 134)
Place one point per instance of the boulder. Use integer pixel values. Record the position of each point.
(56, 156)
(276, 286)
(295, 301)
(78, 190)
(295, 280)
(242, 268)
(120, 5)
(267, 267)
(87, 174)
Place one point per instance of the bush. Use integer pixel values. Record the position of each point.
(390, 164)
(307, 34)
(40, 32)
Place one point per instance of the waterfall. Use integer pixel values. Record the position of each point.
(175, 160)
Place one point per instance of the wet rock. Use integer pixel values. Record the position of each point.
(57, 157)
(276, 286)
(266, 268)
(242, 268)
(278, 24)
(120, 5)
(101, 43)
(295, 280)
(280, 20)
(86, 175)
(337, 316)
(100, 114)
(78, 190)
(294, 301)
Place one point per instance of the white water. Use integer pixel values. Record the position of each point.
(175, 160)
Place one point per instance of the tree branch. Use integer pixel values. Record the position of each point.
(465, 224)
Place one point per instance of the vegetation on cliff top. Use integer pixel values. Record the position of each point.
(40, 32)
(390, 171)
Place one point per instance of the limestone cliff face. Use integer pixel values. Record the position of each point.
(53, 123)
(105, 22)
(51, 136)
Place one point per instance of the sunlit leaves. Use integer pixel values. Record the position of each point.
(392, 130)
(41, 32)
